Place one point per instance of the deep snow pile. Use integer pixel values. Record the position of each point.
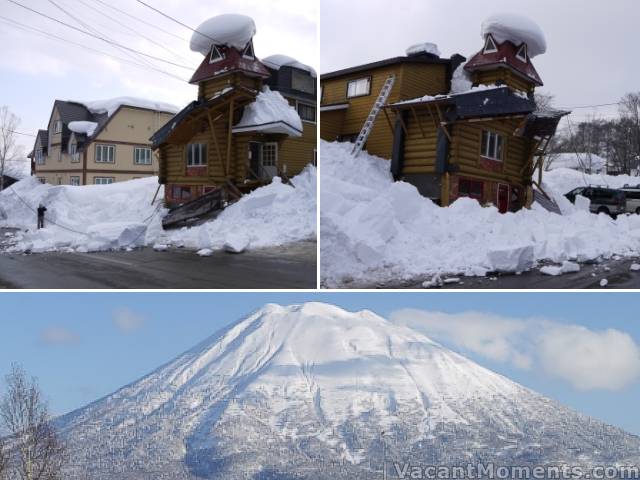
(377, 230)
(272, 215)
(270, 107)
(89, 218)
(425, 47)
(229, 29)
(517, 29)
(82, 126)
(110, 105)
(278, 61)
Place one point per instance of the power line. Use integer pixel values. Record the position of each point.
(595, 106)
(177, 21)
(22, 133)
(141, 20)
(99, 37)
(22, 26)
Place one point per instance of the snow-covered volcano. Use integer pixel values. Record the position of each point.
(308, 390)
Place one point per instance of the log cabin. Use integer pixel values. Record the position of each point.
(253, 119)
(347, 95)
(483, 142)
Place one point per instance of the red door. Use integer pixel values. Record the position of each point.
(503, 198)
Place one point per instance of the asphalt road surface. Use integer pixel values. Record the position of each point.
(617, 273)
(290, 267)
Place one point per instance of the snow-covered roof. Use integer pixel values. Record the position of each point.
(230, 29)
(270, 113)
(280, 60)
(425, 47)
(110, 105)
(431, 98)
(580, 161)
(83, 127)
(517, 29)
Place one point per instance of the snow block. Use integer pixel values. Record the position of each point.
(235, 243)
(511, 258)
(582, 203)
(110, 235)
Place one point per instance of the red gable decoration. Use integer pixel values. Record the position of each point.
(504, 54)
(228, 60)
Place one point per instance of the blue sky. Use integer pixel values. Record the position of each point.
(82, 346)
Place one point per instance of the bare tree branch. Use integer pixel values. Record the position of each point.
(8, 149)
(3, 461)
(35, 448)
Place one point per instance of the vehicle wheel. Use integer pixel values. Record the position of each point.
(638, 211)
(604, 210)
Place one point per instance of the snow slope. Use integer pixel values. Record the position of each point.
(376, 230)
(304, 391)
(120, 215)
(269, 107)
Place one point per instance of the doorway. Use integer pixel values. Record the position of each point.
(503, 198)
(263, 160)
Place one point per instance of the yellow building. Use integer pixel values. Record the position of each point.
(98, 142)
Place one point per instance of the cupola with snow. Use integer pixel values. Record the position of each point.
(510, 42)
(226, 41)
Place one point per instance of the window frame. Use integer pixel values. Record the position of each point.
(201, 147)
(275, 154)
(487, 49)
(40, 159)
(492, 143)
(301, 79)
(71, 180)
(355, 80)
(101, 147)
(468, 181)
(526, 53)
(249, 47)
(135, 158)
(98, 180)
(220, 56)
(309, 105)
(57, 127)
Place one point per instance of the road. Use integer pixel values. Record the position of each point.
(616, 272)
(289, 267)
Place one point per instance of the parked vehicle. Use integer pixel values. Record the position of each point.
(632, 194)
(603, 199)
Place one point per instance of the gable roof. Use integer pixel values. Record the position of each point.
(423, 58)
(233, 61)
(506, 56)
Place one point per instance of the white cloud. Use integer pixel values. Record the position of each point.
(586, 359)
(127, 321)
(58, 336)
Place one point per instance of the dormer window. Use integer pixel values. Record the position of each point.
(522, 53)
(57, 126)
(248, 51)
(216, 55)
(490, 45)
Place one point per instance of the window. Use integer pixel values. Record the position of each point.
(73, 151)
(522, 53)
(358, 88)
(105, 153)
(307, 112)
(248, 51)
(57, 126)
(60, 154)
(72, 148)
(490, 45)
(196, 155)
(181, 193)
(491, 145)
(470, 188)
(269, 154)
(42, 179)
(39, 157)
(103, 180)
(303, 81)
(142, 156)
(74, 181)
(216, 55)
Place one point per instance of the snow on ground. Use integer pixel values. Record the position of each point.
(110, 105)
(120, 216)
(376, 230)
(277, 61)
(18, 169)
(82, 126)
(89, 218)
(272, 215)
(424, 47)
(230, 29)
(580, 161)
(270, 107)
(516, 29)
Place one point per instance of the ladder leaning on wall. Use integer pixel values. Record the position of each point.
(383, 96)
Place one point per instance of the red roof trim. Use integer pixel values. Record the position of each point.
(232, 62)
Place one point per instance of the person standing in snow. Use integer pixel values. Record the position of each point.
(41, 210)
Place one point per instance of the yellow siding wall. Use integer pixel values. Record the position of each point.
(419, 149)
(332, 124)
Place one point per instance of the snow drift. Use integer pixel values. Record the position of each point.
(425, 47)
(376, 230)
(264, 395)
(110, 105)
(229, 29)
(270, 107)
(517, 29)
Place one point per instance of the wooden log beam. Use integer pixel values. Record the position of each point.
(444, 127)
(386, 115)
(215, 142)
(229, 138)
(404, 126)
(415, 117)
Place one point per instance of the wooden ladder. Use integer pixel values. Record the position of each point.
(383, 96)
